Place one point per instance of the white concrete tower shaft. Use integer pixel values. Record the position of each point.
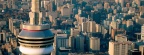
(35, 14)
(35, 5)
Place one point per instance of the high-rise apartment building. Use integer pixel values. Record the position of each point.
(120, 48)
(94, 43)
(92, 26)
(98, 28)
(84, 27)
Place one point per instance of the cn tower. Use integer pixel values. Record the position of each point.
(35, 37)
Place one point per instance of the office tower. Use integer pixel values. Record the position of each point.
(120, 48)
(142, 32)
(76, 43)
(120, 37)
(94, 44)
(72, 43)
(79, 43)
(141, 48)
(61, 40)
(35, 37)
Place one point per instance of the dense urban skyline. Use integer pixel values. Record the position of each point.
(72, 27)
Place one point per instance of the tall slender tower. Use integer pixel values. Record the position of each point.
(35, 37)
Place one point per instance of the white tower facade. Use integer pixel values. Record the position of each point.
(35, 37)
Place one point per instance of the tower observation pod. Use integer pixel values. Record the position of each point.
(35, 37)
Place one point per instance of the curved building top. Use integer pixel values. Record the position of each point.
(35, 27)
(26, 34)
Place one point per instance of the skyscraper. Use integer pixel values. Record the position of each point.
(35, 37)
(79, 41)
